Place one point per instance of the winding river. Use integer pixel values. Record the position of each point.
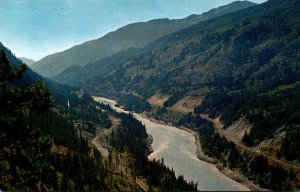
(178, 149)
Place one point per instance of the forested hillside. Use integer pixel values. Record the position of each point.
(136, 35)
(131, 140)
(44, 142)
(40, 150)
(242, 67)
(237, 67)
(76, 75)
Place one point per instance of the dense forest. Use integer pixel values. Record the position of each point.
(235, 64)
(131, 137)
(245, 65)
(134, 103)
(245, 68)
(99, 57)
(43, 146)
(216, 146)
(41, 150)
(254, 167)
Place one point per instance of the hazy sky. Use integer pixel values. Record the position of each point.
(36, 28)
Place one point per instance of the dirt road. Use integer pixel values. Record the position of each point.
(103, 133)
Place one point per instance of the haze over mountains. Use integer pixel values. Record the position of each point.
(136, 35)
(75, 75)
(41, 149)
(231, 74)
(27, 61)
(235, 62)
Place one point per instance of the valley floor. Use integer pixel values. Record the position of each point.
(232, 174)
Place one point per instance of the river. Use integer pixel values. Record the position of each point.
(178, 149)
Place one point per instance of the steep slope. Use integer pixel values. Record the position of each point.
(61, 93)
(133, 35)
(45, 149)
(76, 75)
(37, 142)
(246, 67)
(27, 61)
(229, 17)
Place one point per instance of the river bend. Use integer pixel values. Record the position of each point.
(178, 149)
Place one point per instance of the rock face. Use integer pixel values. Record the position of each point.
(158, 100)
(149, 149)
(187, 104)
(237, 130)
(244, 64)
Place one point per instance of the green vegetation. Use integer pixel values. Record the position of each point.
(178, 119)
(165, 115)
(247, 61)
(124, 43)
(273, 177)
(290, 145)
(173, 99)
(256, 168)
(89, 117)
(134, 103)
(39, 149)
(131, 137)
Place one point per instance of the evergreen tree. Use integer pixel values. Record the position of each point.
(23, 148)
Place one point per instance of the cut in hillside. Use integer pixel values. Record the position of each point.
(245, 67)
(187, 104)
(238, 129)
(43, 147)
(158, 100)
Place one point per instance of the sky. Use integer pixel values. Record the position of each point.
(37, 28)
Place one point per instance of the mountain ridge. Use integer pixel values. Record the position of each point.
(132, 35)
(27, 61)
(75, 75)
(235, 67)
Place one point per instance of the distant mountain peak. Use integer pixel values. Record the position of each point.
(27, 61)
(132, 35)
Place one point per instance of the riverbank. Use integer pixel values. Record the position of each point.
(177, 147)
(234, 175)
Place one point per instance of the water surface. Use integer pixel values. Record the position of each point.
(178, 149)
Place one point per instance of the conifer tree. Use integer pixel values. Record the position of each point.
(23, 149)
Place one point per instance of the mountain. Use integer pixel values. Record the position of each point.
(61, 93)
(46, 146)
(136, 35)
(37, 141)
(76, 75)
(243, 68)
(27, 61)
